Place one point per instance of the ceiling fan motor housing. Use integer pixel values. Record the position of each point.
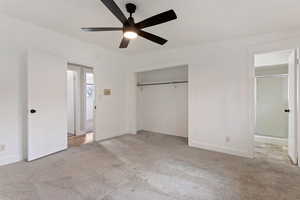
(131, 29)
(131, 8)
(130, 24)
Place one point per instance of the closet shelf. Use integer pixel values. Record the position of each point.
(161, 83)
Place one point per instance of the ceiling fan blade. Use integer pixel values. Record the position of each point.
(157, 19)
(114, 8)
(92, 29)
(153, 38)
(124, 43)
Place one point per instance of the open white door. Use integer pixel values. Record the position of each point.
(90, 97)
(47, 108)
(71, 96)
(292, 136)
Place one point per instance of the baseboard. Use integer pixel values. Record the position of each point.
(105, 138)
(81, 133)
(133, 132)
(271, 140)
(5, 160)
(163, 133)
(220, 149)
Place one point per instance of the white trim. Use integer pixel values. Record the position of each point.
(78, 93)
(164, 133)
(286, 44)
(81, 122)
(273, 76)
(298, 104)
(270, 140)
(225, 150)
(108, 136)
(85, 122)
(5, 160)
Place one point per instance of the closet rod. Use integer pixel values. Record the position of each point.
(272, 75)
(79, 65)
(163, 83)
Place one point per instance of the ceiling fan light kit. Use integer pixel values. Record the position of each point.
(132, 30)
(130, 35)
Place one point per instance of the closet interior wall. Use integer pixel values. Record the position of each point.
(162, 101)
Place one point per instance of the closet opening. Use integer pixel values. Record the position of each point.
(162, 101)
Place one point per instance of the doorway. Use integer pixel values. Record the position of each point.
(90, 97)
(275, 107)
(72, 99)
(81, 89)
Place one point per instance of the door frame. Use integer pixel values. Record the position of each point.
(268, 139)
(82, 69)
(85, 71)
(260, 49)
(75, 100)
(77, 97)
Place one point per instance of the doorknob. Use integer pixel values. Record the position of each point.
(32, 111)
(287, 110)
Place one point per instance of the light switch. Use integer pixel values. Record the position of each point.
(2, 147)
(107, 92)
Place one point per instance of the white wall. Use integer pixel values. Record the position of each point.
(111, 112)
(177, 73)
(218, 95)
(221, 85)
(272, 100)
(221, 88)
(12, 120)
(163, 108)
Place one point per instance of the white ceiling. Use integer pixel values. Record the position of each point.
(198, 20)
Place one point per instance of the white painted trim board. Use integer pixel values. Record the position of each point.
(270, 140)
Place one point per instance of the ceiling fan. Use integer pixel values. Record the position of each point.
(131, 29)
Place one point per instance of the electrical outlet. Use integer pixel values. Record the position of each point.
(2, 147)
(227, 139)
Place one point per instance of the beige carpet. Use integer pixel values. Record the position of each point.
(148, 166)
(272, 152)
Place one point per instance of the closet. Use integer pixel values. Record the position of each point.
(162, 101)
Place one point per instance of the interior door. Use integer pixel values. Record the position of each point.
(292, 136)
(90, 101)
(47, 105)
(71, 102)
